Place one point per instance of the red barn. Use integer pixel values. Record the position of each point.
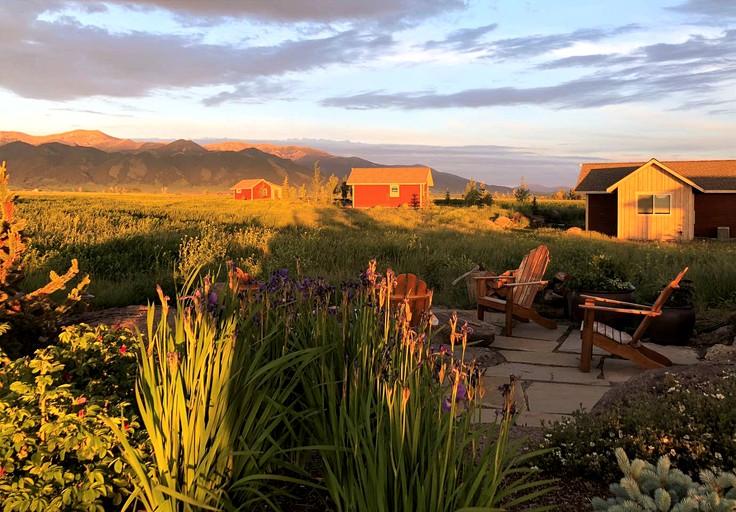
(390, 186)
(256, 189)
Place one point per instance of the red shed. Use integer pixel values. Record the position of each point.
(256, 189)
(390, 186)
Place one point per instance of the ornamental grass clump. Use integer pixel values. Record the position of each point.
(396, 421)
(213, 392)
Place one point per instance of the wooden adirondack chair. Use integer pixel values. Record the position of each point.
(617, 342)
(520, 287)
(415, 291)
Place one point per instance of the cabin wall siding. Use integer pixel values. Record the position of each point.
(601, 214)
(367, 196)
(712, 211)
(679, 223)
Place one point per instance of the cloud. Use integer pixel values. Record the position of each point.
(714, 10)
(464, 40)
(533, 46)
(256, 91)
(583, 93)
(698, 67)
(304, 10)
(63, 59)
(597, 60)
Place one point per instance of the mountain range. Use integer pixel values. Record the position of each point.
(91, 160)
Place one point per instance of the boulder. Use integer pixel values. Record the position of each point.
(723, 335)
(574, 231)
(721, 354)
(651, 382)
(481, 332)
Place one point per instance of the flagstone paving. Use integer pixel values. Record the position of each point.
(546, 362)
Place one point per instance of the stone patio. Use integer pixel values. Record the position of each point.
(550, 385)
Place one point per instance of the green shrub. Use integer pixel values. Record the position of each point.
(663, 488)
(56, 451)
(692, 424)
(31, 317)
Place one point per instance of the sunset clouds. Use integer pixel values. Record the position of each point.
(547, 76)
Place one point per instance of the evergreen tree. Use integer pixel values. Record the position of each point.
(303, 191)
(471, 194)
(447, 196)
(522, 193)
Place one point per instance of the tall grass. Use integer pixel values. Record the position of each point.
(128, 243)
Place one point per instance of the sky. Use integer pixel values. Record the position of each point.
(493, 90)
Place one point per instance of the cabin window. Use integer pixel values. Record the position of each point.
(653, 204)
(394, 191)
(264, 192)
(237, 191)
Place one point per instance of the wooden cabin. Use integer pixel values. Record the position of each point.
(660, 200)
(256, 189)
(390, 186)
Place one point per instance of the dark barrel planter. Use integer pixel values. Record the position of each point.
(673, 327)
(616, 320)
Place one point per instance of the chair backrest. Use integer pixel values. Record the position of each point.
(409, 284)
(657, 306)
(532, 268)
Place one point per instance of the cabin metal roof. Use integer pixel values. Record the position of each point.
(390, 175)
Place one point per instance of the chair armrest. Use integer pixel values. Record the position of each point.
(538, 283)
(621, 310)
(494, 278)
(614, 301)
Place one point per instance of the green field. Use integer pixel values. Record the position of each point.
(128, 243)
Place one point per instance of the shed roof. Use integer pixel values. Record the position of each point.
(251, 183)
(390, 175)
(708, 175)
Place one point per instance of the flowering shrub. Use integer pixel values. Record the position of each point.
(692, 424)
(56, 452)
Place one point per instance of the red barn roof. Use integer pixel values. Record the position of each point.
(390, 175)
(246, 184)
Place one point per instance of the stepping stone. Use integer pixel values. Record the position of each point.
(526, 330)
(529, 345)
(573, 344)
(678, 355)
(531, 372)
(566, 375)
(534, 331)
(546, 358)
(619, 370)
(562, 398)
